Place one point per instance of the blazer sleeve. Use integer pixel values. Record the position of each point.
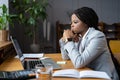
(94, 47)
(63, 52)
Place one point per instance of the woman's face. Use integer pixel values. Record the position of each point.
(77, 26)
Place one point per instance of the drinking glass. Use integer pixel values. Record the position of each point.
(44, 72)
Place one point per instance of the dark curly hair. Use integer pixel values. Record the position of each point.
(88, 16)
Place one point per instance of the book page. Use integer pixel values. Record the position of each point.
(94, 74)
(66, 73)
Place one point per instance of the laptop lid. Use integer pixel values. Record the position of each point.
(17, 48)
(21, 54)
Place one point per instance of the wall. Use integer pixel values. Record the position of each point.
(107, 10)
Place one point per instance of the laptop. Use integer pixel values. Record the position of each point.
(20, 53)
(30, 62)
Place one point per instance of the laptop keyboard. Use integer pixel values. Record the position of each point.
(33, 63)
(30, 64)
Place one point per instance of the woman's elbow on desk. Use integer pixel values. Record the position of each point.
(65, 58)
(78, 64)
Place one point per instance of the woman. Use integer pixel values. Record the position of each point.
(85, 45)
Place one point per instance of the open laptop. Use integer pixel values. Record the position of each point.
(19, 51)
(30, 62)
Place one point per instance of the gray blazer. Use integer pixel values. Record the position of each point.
(91, 52)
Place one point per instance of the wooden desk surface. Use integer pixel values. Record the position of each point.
(13, 64)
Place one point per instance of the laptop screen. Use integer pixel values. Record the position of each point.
(17, 48)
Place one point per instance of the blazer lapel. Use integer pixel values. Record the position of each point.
(83, 43)
(85, 40)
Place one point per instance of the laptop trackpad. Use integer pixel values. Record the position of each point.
(51, 61)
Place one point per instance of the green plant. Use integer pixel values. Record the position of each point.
(30, 12)
(5, 18)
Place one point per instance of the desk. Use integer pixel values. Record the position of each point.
(12, 64)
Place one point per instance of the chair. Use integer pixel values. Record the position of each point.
(115, 57)
(59, 32)
(115, 46)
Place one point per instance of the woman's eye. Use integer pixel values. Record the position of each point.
(75, 22)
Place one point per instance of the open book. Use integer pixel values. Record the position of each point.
(82, 74)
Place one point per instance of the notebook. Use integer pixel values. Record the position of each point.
(30, 62)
